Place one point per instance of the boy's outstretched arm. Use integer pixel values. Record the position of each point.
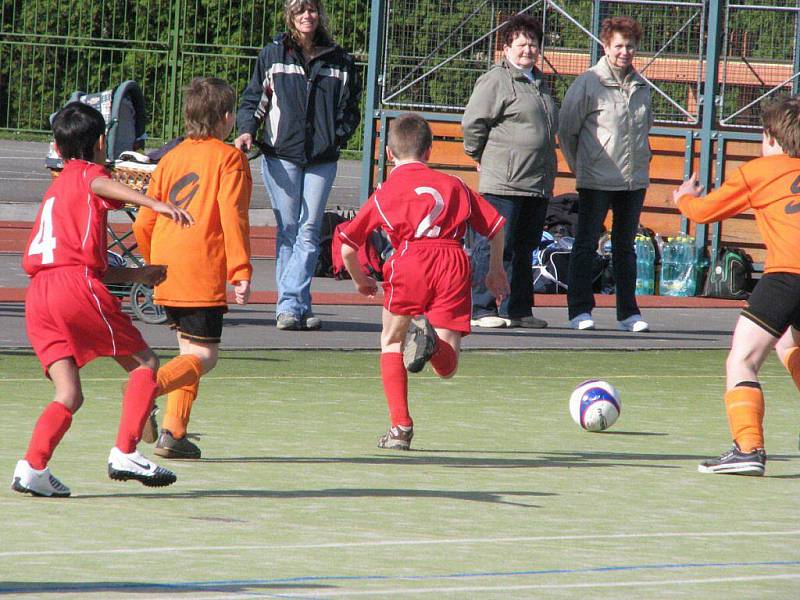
(496, 279)
(728, 200)
(114, 190)
(365, 285)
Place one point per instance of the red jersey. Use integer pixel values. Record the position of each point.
(70, 227)
(770, 187)
(417, 202)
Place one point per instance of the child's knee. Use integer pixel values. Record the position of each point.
(71, 399)
(448, 374)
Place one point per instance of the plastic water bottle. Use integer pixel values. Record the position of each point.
(666, 286)
(679, 267)
(645, 265)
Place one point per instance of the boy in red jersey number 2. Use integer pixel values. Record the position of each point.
(427, 281)
(70, 316)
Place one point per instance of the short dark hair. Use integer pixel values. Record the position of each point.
(521, 24)
(626, 26)
(205, 102)
(781, 119)
(410, 136)
(76, 129)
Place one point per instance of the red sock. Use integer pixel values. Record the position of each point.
(395, 386)
(136, 406)
(444, 360)
(47, 433)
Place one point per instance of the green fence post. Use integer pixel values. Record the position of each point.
(371, 108)
(176, 32)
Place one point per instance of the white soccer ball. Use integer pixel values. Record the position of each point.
(595, 405)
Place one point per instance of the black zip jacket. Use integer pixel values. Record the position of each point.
(309, 110)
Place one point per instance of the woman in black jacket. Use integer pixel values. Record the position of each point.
(305, 90)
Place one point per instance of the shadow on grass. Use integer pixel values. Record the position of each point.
(133, 587)
(332, 493)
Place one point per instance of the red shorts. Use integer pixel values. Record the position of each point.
(70, 313)
(430, 277)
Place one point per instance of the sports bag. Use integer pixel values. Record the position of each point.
(730, 275)
(550, 266)
(371, 254)
(330, 220)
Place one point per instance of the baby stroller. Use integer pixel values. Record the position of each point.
(123, 109)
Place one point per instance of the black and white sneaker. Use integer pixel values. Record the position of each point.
(28, 480)
(419, 345)
(736, 462)
(122, 467)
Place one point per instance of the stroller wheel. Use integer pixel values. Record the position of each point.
(141, 299)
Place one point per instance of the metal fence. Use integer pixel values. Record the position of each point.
(50, 48)
(433, 52)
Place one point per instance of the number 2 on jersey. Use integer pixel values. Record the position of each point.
(44, 242)
(426, 227)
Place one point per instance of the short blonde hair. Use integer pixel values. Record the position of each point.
(206, 100)
(322, 36)
(781, 118)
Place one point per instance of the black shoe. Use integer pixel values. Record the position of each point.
(419, 345)
(736, 462)
(170, 447)
(397, 438)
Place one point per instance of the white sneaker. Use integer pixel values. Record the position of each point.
(489, 321)
(634, 323)
(122, 467)
(582, 321)
(28, 480)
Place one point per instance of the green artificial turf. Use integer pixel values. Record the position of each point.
(502, 495)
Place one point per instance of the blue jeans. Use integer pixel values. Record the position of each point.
(523, 229)
(298, 196)
(593, 205)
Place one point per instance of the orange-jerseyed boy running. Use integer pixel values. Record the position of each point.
(212, 181)
(770, 187)
(425, 213)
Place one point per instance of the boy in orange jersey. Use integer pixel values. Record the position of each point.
(770, 187)
(212, 181)
(425, 213)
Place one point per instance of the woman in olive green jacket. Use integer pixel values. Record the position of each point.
(605, 123)
(510, 125)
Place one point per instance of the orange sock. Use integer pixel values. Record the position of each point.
(181, 371)
(792, 364)
(179, 407)
(395, 387)
(444, 360)
(745, 407)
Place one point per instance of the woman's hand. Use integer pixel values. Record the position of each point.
(244, 142)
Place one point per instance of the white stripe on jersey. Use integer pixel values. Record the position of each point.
(100, 310)
(378, 206)
(88, 219)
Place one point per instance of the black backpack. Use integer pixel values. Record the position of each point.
(330, 219)
(730, 275)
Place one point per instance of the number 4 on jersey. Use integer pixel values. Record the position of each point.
(44, 242)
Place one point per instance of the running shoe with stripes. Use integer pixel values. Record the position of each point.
(122, 467)
(397, 438)
(736, 462)
(28, 480)
(420, 344)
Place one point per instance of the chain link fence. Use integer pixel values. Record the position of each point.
(50, 48)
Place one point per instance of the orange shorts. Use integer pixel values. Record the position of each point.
(430, 277)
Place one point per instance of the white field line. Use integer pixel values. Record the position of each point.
(649, 376)
(379, 593)
(386, 543)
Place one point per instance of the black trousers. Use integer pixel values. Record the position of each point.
(626, 207)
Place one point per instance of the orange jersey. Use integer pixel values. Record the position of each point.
(770, 186)
(212, 181)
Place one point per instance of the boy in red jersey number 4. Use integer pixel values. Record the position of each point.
(425, 213)
(770, 187)
(70, 316)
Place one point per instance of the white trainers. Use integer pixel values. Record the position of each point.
(28, 480)
(489, 321)
(122, 467)
(582, 321)
(634, 323)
